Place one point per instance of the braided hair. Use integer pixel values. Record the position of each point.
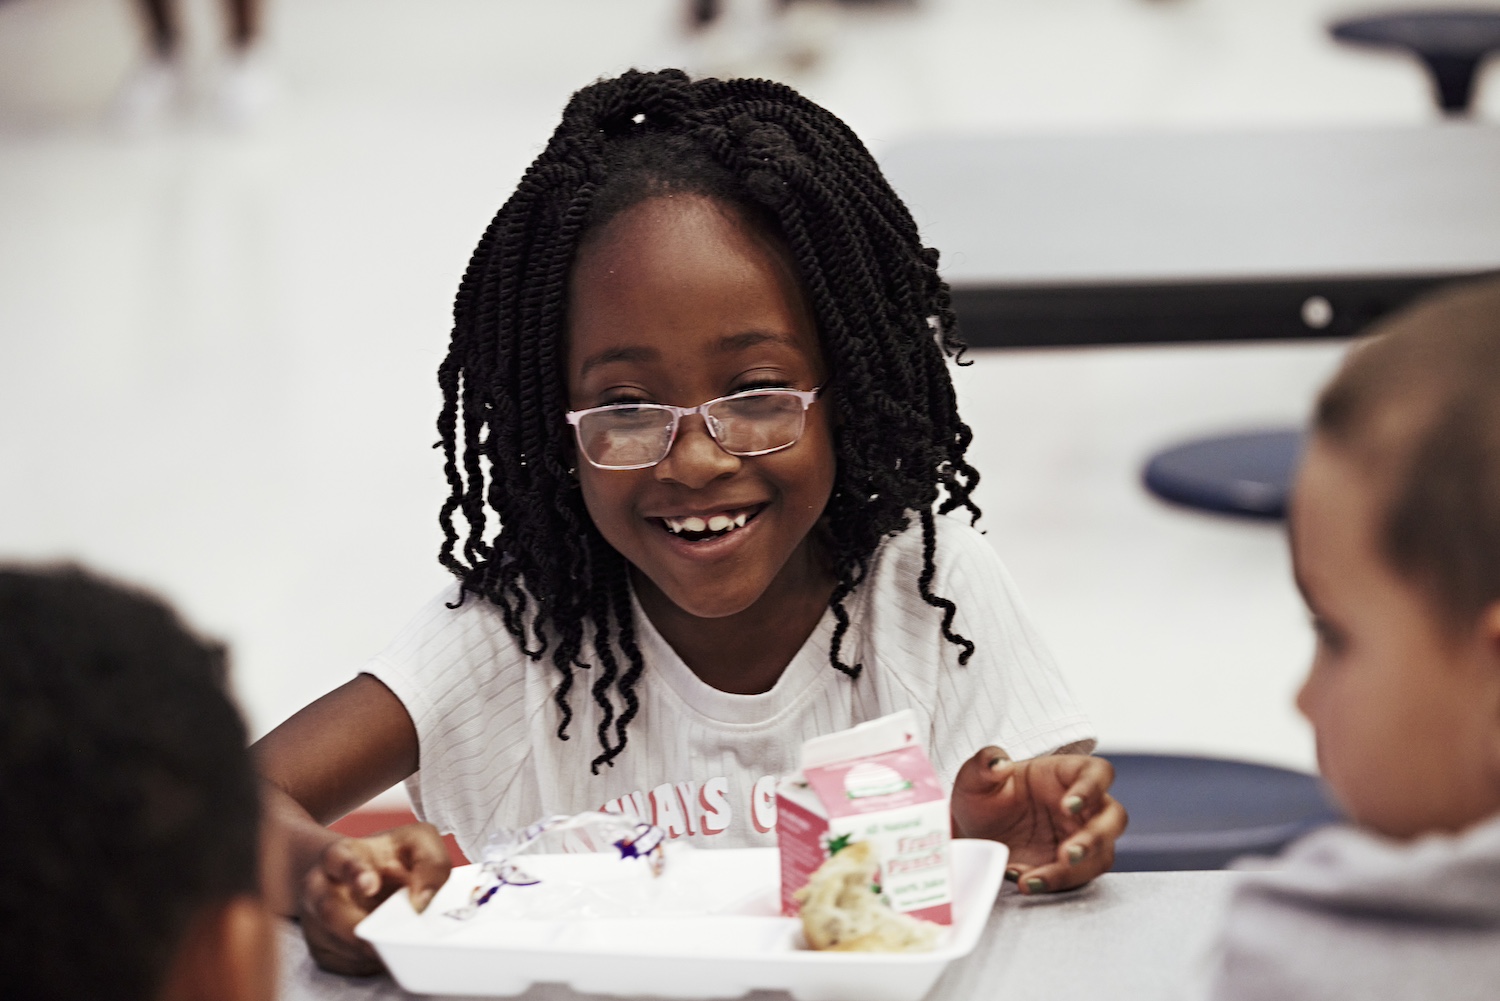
(884, 321)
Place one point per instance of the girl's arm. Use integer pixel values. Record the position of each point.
(351, 744)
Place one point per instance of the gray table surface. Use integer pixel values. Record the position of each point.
(1127, 936)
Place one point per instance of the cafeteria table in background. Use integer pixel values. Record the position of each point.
(1151, 239)
(1148, 239)
(1135, 936)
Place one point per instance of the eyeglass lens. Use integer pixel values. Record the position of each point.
(641, 436)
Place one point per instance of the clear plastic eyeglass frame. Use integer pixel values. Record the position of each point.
(721, 425)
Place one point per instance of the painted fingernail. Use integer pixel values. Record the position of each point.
(1036, 885)
(1073, 804)
(1012, 875)
(1076, 854)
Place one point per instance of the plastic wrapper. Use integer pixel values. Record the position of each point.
(616, 867)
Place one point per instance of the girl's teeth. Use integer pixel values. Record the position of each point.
(716, 523)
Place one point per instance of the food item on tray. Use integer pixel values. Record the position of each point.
(843, 910)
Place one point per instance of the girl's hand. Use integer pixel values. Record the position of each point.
(352, 877)
(1054, 812)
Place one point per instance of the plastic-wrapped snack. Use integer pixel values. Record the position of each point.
(624, 840)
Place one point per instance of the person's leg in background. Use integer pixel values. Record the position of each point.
(161, 21)
(245, 88)
(156, 87)
(244, 22)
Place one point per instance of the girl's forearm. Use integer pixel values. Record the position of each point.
(324, 761)
(291, 841)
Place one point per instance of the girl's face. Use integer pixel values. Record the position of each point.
(1407, 717)
(677, 300)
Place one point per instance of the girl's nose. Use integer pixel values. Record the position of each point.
(695, 460)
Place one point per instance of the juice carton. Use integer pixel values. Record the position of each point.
(870, 783)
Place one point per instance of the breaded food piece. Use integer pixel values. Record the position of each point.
(842, 912)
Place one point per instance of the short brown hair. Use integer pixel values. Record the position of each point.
(130, 806)
(1419, 405)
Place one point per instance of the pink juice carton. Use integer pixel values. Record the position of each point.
(870, 783)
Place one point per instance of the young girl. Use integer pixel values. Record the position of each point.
(1395, 532)
(700, 437)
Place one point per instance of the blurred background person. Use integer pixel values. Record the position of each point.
(131, 817)
(241, 87)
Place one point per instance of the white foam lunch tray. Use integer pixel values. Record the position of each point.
(723, 955)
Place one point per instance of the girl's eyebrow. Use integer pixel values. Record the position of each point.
(610, 355)
(727, 344)
(731, 343)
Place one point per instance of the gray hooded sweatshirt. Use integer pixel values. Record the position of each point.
(1352, 915)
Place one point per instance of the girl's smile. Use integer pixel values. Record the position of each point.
(679, 300)
(699, 528)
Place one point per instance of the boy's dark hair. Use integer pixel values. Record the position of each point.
(1419, 406)
(883, 317)
(129, 801)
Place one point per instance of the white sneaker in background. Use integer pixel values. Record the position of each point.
(735, 43)
(763, 38)
(244, 89)
(154, 92)
(805, 34)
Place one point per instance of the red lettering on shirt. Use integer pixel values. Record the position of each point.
(687, 795)
(763, 804)
(714, 799)
(667, 811)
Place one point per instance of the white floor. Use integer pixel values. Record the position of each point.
(217, 348)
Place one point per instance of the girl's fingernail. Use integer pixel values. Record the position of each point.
(369, 883)
(997, 762)
(420, 900)
(1076, 854)
(1036, 885)
(1012, 875)
(1073, 804)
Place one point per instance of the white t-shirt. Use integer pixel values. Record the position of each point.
(701, 763)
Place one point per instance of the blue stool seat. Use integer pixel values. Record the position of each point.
(1244, 474)
(1450, 43)
(1200, 813)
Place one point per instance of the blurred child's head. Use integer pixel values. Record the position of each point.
(770, 186)
(1395, 531)
(130, 814)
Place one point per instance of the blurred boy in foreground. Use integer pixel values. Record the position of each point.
(1395, 532)
(129, 819)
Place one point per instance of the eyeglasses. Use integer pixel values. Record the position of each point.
(637, 435)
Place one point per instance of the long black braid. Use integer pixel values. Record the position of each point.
(883, 316)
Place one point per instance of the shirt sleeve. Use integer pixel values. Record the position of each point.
(462, 678)
(1010, 693)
